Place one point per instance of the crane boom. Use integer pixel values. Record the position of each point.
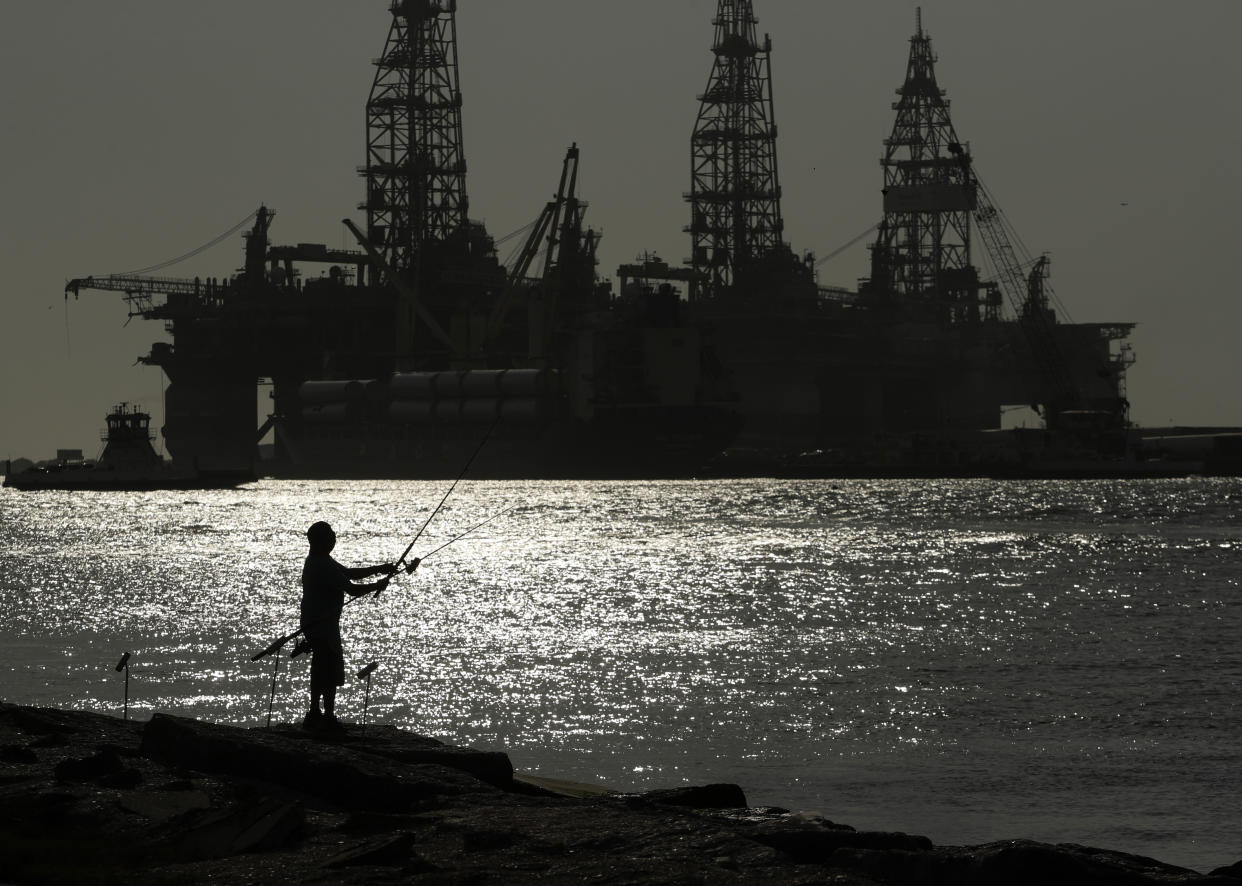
(140, 292)
(1038, 323)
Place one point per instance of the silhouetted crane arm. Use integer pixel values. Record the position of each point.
(140, 292)
(521, 268)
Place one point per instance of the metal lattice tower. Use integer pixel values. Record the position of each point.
(923, 247)
(735, 196)
(416, 170)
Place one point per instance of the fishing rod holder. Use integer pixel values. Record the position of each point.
(123, 665)
(365, 674)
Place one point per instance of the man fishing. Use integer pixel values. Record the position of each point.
(325, 583)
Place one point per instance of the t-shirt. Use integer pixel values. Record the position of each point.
(324, 586)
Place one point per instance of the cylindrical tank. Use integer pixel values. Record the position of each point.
(519, 411)
(479, 410)
(481, 383)
(331, 391)
(413, 386)
(448, 411)
(448, 385)
(326, 414)
(521, 383)
(412, 412)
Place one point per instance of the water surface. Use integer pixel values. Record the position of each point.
(970, 660)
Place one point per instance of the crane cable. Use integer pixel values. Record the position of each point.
(1024, 253)
(830, 256)
(189, 255)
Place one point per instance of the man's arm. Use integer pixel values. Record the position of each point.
(363, 590)
(367, 571)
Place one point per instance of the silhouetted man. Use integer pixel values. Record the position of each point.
(325, 583)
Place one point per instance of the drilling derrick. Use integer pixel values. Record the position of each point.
(922, 250)
(735, 197)
(416, 170)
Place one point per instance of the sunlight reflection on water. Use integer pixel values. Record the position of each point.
(884, 652)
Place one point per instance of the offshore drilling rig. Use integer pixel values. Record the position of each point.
(421, 342)
(907, 370)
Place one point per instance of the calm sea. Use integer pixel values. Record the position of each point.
(970, 660)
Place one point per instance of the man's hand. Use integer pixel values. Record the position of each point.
(380, 586)
(412, 565)
(387, 569)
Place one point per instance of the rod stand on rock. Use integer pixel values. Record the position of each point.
(365, 674)
(123, 665)
(271, 698)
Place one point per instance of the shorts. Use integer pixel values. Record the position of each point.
(327, 657)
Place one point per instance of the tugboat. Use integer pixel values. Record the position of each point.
(128, 463)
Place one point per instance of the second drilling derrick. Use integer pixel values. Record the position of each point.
(735, 193)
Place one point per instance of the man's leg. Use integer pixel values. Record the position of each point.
(313, 716)
(316, 691)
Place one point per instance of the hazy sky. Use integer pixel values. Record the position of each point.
(136, 130)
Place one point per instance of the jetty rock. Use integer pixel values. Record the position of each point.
(86, 798)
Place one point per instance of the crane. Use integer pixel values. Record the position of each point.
(1026, 295)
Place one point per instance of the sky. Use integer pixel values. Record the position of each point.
(137, 130)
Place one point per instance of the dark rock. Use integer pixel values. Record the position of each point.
(53, 740)
(14, 753)
(42, 809)
(1233, 870)
(213, 804)
(34, 722)
(369, 823)
(487, 840)
(106, 762)
(491, 767)
(181, 784)
(261, 827)
(351, 779)
(711, 796)
(1023, 862)
(124, 779)
(164, 806)
(812, 841)
(395, 852)
(1018, 863)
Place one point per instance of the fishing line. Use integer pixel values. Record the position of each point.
(467, 532)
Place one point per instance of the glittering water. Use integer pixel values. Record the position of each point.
(970, 660)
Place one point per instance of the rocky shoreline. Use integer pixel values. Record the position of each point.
(89, 799)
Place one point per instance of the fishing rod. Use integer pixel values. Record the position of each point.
(280, 642)
(427, 522)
